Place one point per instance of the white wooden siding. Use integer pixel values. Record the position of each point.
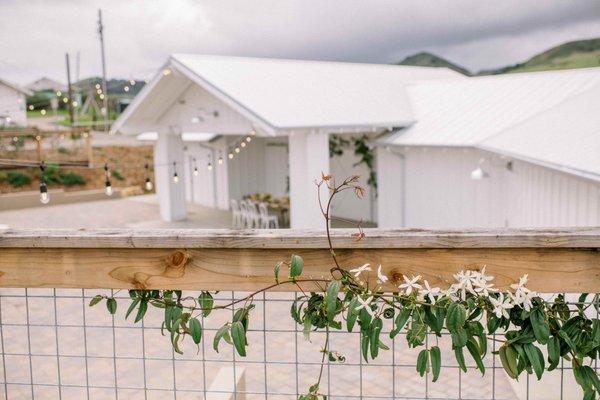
(439, 193)
(13, 104)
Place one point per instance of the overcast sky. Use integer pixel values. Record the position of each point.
(139, 35)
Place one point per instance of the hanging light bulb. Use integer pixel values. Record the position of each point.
(248, 139)
(107, 186)
(149, 186)
(220, 160)
(175, 176)
(243, 144)
(209, 165)
(44, 196)
(230, 156)
(195, 168)
(237, 150)
(252, 132)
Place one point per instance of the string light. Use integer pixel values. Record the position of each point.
(58, 93)
(220, 160)
(149, 186)
(107, 186)
(195, 168)
(209, 165)
(237, 150)
(44, 196)
(230, 155)
(97, 86)
(248, 139)
(132, 82)
(126, 88)
(243, 144)
(43, 112)
(175, 176)
(31, 107)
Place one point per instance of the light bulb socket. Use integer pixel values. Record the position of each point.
(43, 187)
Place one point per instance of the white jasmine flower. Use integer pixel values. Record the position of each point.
(429, 292)
(366, 304)
(464, 283)
(410, 284)
(485, 288)
(360, 270)
(522, 282)
(380, 276)
(522, 296)
(501, 306)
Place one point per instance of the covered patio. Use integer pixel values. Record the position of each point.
(230, 127)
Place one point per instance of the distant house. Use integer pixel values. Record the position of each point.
(449, 151)
(13, 107)
(46, 84)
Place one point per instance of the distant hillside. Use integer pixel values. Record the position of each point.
(577, 54)
(425, 59)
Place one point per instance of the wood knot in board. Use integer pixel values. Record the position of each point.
(396, 276)
(176, 262)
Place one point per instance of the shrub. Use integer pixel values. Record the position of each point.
(117, 175)
(71, 179)
(64, 150)
(51, 174)
(18, 179)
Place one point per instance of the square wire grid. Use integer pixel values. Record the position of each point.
(54, 346)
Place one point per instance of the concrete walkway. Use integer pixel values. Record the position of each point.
(130, 212)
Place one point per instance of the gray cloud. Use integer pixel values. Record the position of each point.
(141, 34)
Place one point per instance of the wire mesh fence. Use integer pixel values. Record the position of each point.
(54, 346)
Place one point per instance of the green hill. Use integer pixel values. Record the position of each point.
(577, 54)
(425, 59)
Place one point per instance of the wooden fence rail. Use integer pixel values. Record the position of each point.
(557, 260)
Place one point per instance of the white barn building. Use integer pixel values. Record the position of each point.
(291, 106)
(13, 104)
(533, 139)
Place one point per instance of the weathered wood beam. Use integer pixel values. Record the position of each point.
(556, 260)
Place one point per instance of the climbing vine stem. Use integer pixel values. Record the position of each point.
(361, 297)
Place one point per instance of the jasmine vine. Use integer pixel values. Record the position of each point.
(471, 309)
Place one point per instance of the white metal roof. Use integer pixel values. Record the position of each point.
(288, 94)
(466, 112)
(548, 118)
(15, 87)
(565, 136)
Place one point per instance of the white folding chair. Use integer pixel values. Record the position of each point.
(252, 216)
(236, 215)
(266, 219)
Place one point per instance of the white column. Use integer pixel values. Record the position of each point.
(308, 159)
(390, 188)
(171, 195)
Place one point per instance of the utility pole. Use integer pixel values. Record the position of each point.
(70, 90)
(105, 100)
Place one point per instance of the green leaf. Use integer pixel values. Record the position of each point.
(195, 330)
(536, 358)
(460, 358)
(238, 335)
(474, 350)
(95, 300)
(592, 377)
(141, 311)
(553, 352)
(296, 266)
(206, 302)
(221, 333)
(364, 346)
(276, 270)
(459, 338)
(374, 332)
(352, 314)
(541, 330)
(306, 329)
(401, 320)
(132, 307)
(331, 298)
(508, 357)
(422, 362)
(111, 305)
(563, 335)
(436, 362)
(456, 317)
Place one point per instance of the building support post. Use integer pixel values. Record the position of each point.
(308, 159)
(171, 194)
